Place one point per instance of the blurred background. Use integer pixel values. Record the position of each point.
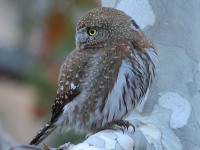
(35, 38)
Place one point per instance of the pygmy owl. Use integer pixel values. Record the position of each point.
(105, 77)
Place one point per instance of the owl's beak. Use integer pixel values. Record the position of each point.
(81, 38)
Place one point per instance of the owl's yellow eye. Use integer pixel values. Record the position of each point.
(92, 32)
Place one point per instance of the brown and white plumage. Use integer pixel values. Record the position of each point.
(105, 77)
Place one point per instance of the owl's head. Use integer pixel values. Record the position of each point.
(104, 26)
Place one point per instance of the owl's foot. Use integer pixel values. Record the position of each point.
(122, 124)
(115, 125)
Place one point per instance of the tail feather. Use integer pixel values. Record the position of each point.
(43, 133)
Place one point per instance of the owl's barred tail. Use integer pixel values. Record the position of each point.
(43, 133)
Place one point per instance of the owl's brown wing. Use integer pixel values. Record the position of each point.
(62, 98)
(71, 70)
(71, 73)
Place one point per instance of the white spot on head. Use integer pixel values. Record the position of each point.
(72, 86)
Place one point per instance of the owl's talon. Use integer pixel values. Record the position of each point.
(124, 125)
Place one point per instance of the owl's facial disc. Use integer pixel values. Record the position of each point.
(87, 36)
(101, 27)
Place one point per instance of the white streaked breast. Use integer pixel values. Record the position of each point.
(114, 99)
